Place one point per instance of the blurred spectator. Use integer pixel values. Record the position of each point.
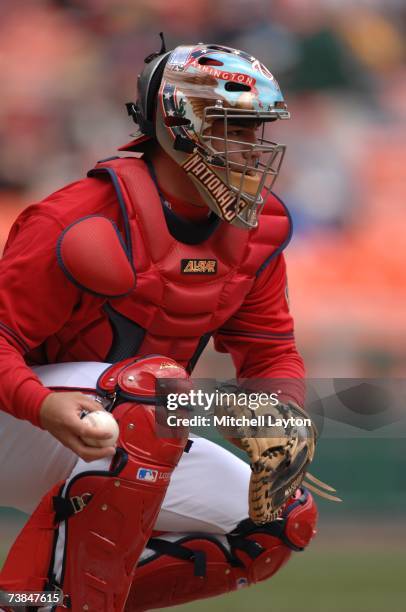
(68, 67)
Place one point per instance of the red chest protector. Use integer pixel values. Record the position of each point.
(189, 279)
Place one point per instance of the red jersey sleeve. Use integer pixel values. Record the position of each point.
(260, 335)
(35, 300)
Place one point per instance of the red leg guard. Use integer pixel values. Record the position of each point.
(104, 514)
(26, 567)
(104, 542)
(201, 566)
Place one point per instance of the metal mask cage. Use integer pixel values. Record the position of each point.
(248, 205)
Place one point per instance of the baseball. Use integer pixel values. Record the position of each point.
(104, 421)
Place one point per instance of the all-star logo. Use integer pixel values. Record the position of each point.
(219, 191)
(198, 266)
(166, 364)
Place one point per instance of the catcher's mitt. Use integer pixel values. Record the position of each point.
(278, 461)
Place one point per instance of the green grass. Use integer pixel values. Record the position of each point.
(321, 581)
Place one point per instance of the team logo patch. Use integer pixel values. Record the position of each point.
(147, 474)
(225, 199)
(198, 266)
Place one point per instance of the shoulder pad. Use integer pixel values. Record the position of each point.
(92, 254)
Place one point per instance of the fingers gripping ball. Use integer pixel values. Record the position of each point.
(103, 421)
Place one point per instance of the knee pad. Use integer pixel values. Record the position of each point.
(178, 569)
(105, 512)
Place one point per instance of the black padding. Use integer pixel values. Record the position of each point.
(127, 336)
(148, 85)
(154, 87)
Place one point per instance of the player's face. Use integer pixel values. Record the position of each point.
(241, 137)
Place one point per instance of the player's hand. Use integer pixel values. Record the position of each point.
(60, 415)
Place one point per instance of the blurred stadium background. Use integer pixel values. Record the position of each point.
(67, 68)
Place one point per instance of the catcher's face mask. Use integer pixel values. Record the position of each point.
(243, 157)
(208, 99)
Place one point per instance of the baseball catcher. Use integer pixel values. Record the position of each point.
(118, 278)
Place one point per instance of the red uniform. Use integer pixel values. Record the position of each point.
(104, 270)
(45, 318)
